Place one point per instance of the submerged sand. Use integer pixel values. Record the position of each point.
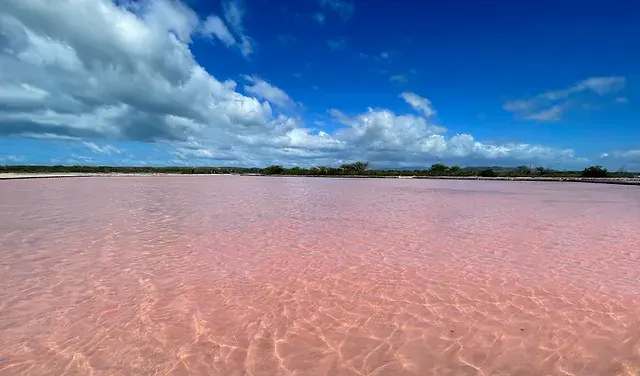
(300, 276)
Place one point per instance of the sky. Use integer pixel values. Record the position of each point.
(401, 84)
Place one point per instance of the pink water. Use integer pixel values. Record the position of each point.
(230, 275)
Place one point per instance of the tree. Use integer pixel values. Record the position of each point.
(522, 171)
(595, 172)
(455, 170)
(356, 168)
(488, 173)
(274, 170)
(540, 171)
(438, 169)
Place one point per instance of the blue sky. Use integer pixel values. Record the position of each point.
(252, 83)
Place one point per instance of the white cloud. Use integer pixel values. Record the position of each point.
(548, 114)
(418, 103)
(171, 16)
(11, 159)
(633, 154)
(551, 105)
(382, 136)
(234, 11)
(627, 159)
(104, 149)
(214, 26)
(264, 90)
(381, 129)
(233, 35)
(129, 74)
(600, 85)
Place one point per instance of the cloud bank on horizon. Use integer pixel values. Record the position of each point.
(98, 75)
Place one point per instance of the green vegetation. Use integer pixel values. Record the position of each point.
(127, 169)
(488, 173)
(595, 172)
(349, 169)
(357, 168)
(274, 170)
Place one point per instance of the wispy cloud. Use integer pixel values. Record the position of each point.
(264, 90)
(319, 18)
(342, 8)
(104, 149)
(231, 33)
(214, 26)
(551, 105)
(399, 79)
(547, 114)
(337, 44)
(418, 103)
(11, 158)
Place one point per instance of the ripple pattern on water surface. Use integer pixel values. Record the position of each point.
(231, 275)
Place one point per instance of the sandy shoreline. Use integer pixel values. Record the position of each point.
(619, 181)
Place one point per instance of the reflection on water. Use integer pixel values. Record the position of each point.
(232, 275)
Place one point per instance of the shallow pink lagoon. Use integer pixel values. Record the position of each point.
(230, 275)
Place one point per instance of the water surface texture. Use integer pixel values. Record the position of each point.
(231, 275)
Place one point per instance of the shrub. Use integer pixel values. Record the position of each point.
(488, 173)
(438, 169)
(274, 170)
(356, 168)
(595, 172)
(522, 171)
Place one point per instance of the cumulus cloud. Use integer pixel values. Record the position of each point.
(391, 139)
(128, 73)
(551, 105)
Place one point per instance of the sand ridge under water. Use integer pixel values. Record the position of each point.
(300, 276)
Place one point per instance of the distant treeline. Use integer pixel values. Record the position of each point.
(349, 169)
(127, 169)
